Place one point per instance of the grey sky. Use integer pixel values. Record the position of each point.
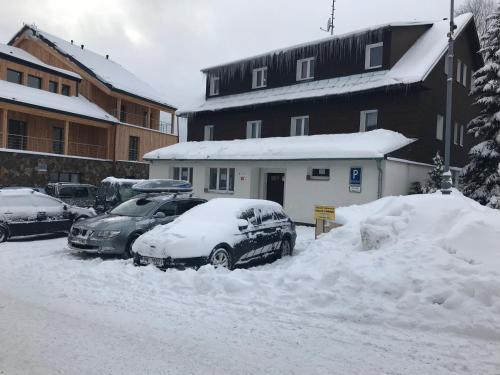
(166, 43)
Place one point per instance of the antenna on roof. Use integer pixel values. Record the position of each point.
(329, 23)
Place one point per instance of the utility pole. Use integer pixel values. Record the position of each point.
(329, 23)
(446, 182)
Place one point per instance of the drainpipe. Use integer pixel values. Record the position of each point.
(380, 176)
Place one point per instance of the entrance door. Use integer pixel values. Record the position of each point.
(275, 187)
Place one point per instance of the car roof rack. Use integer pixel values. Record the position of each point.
(163, 186)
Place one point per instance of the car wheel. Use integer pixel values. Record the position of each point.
(128, 249)
(221, 257)
(285, 248)
(3, 234)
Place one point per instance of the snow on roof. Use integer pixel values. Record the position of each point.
(372, 144)
(119, 181)
(21, 54)
(76, 105)
(106, 70)
(413, 67)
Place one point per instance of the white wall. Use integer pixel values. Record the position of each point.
(399, 175)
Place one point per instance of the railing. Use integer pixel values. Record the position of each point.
(54, 146)
(141, 120)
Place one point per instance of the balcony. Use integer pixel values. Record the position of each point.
(142, 121)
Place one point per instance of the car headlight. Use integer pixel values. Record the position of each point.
(104, 234)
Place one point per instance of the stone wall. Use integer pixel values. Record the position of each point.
(36, 170)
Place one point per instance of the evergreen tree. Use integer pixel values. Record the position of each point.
(480, 177)
(435, 175)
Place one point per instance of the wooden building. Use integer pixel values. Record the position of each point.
(69, 114)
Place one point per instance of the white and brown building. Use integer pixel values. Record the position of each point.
(70, 114)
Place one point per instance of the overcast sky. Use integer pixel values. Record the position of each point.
(167, 42)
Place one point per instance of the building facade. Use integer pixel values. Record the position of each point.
(60, 120)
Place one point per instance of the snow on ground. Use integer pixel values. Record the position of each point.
(409, 285)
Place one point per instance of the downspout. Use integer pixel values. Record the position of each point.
(380, 178)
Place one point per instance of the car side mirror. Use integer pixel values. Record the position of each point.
(243, 224)
(159, 215)
(65, 207)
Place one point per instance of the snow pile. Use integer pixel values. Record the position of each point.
(372, 144)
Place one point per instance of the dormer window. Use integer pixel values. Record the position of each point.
(374, 55)
(214, 85)
(259, 78)
(305, 69)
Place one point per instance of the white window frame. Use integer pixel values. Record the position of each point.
(299, 69)
(208, 133)
(461, 139)
(255, 84)
(446, 64)
(250, 125)
(464, 75)
(455, 134)
(368, 48)
(190, 173)
(293, 127)
(321, 178)
(362, 118)
(228, 174)
(459, 70)
(439, 127)
(213, 88)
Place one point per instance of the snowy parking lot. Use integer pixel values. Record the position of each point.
(372, 297)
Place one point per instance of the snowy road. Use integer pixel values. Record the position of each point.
(64, 314)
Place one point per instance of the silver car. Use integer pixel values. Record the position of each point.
(114, 232)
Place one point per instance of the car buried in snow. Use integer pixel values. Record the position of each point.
(114, 232)
(26, 212)
(224, 232)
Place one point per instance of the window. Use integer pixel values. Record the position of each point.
(209, 133)
(464, 75)
(299, 126)
(17, 135)
(35, 82)
(183, 174)
(461, 135)
(65, 90)
(64, 177)
(168, 209)
(459, 70)
(254, 129)
(14, 76)
(183, 206)
(259, 78)
(221, 179)
(57, 140)
(145, 119)
(53, 86)
(133, 148)
(123, 113)
(439, 127)
(374, 55)
(368, 120)
(318, 174)
(214, 85)
(455, 134)
(305, 68)
(446, 64)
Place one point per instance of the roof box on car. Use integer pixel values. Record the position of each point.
(162, 186)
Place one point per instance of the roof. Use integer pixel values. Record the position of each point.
(23, 57)
(413, 67)
(109, 72)
(72, 105)
(366, 145)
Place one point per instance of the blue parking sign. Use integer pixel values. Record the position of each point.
(355, 176)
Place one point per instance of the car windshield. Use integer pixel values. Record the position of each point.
(134, 207)
(126, 192)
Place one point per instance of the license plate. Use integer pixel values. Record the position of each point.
(154, 261)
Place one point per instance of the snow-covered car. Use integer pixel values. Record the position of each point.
(25, 212)
(224, 232)
(114, 191)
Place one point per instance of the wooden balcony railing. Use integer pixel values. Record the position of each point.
(138, 120)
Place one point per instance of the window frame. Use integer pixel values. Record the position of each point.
(230, 174)
(459, 71)
(362, 119)
(56, 86)
(310, 72)
(461, 136)
(439, 127)
(464, 75)
(177, 174)
(211, 89)
(368, 49)
(293, 125)
(255, 73)
(64, 88)
(455, 134)
(131, 150)
(258, 133)
(312, 176)
(18, 73)
(211, 130)
(34, 78)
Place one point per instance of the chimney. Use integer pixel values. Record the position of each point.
(71, 41)
(107, 57)
(81, 46)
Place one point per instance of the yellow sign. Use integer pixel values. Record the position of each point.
(324, 213)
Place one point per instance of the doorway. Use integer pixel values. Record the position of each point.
(275, 187)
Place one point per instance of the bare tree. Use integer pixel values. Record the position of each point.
(481, 9)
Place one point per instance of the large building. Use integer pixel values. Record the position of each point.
(70, 114)
(390, 77)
